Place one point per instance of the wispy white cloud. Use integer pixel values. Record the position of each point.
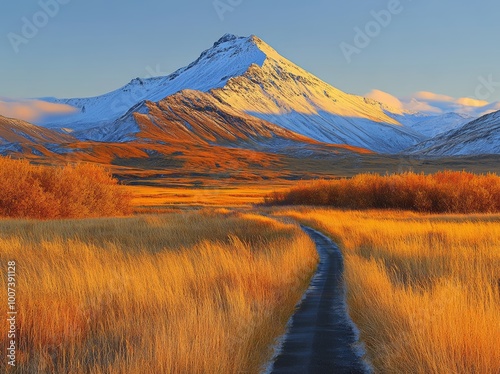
(385, 98)
(431, 96)
(416, 105)
(433, 103)
(32, 110)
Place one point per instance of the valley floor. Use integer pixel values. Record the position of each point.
(128, 295)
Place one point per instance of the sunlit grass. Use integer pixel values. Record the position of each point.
(197, 292)
(146, 198)
(424, 290)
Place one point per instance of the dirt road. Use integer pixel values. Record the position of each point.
(321, 337)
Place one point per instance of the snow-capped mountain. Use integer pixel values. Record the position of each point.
(283, 93)
(241, 91)
(249, 76)
(478, 137)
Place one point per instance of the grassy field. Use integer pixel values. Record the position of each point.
(201, 292)
(423, 289)
(151, 198)
(209, 290)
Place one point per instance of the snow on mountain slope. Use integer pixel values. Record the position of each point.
(478, 137)
(195, 118)
(190, 117)
(227, 58)
(436, 125)
(120, 130)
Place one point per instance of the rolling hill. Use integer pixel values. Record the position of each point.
(24, 137)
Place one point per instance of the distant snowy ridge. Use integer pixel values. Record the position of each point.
(436, 125)
(477, 137)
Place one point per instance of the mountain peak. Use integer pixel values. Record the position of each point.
(255, 39)
(226, 38)
(235, 40)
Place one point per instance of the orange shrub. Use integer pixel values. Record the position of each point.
(443, 192)
(73, 191)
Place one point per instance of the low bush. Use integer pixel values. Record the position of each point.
(72, 191)
(443, 192)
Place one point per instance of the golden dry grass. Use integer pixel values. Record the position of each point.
(202, 292)
(155, 197)
(424, 290)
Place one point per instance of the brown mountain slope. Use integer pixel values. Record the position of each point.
(195, 117)
(18, 131)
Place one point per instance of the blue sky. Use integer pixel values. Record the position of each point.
(91, 47)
